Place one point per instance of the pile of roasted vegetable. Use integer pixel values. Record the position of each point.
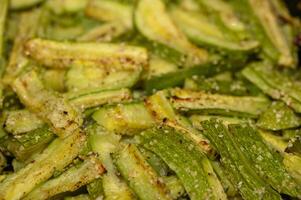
(150, 100)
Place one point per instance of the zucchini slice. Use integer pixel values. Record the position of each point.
(70, 180)
(274, 83)
(198, 28)
(264, 24)
(152, 20)
(247, 181)
(104, 55)
(183, 156)
(141, 177)
(92, 98)
(266, 163)
(200, 102)
(106, 143)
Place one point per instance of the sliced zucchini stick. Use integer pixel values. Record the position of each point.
(105, 143)
(28, 26)
(249, 184)
(275, 84)
(107, 10)
(163, 112)
(71, 180)
(200, 102)
(52, 108)
(263, 22)
(21, 121)
(152, 20)
(23, 4)
(198, 28)
(266, 163)
(125, 119)
(141, 177)
(56, 156)
(196, 120)
(88, 99)
(104, 55)
(183, 156)
(278, 117)
(213, 85)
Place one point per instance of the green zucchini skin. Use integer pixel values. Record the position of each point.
(141, 177)
(267, 163)
(275, 84)
(215, 65)
(213, 85)
(198, 102)
(184, 158)
(24, 146)
(244, 176)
